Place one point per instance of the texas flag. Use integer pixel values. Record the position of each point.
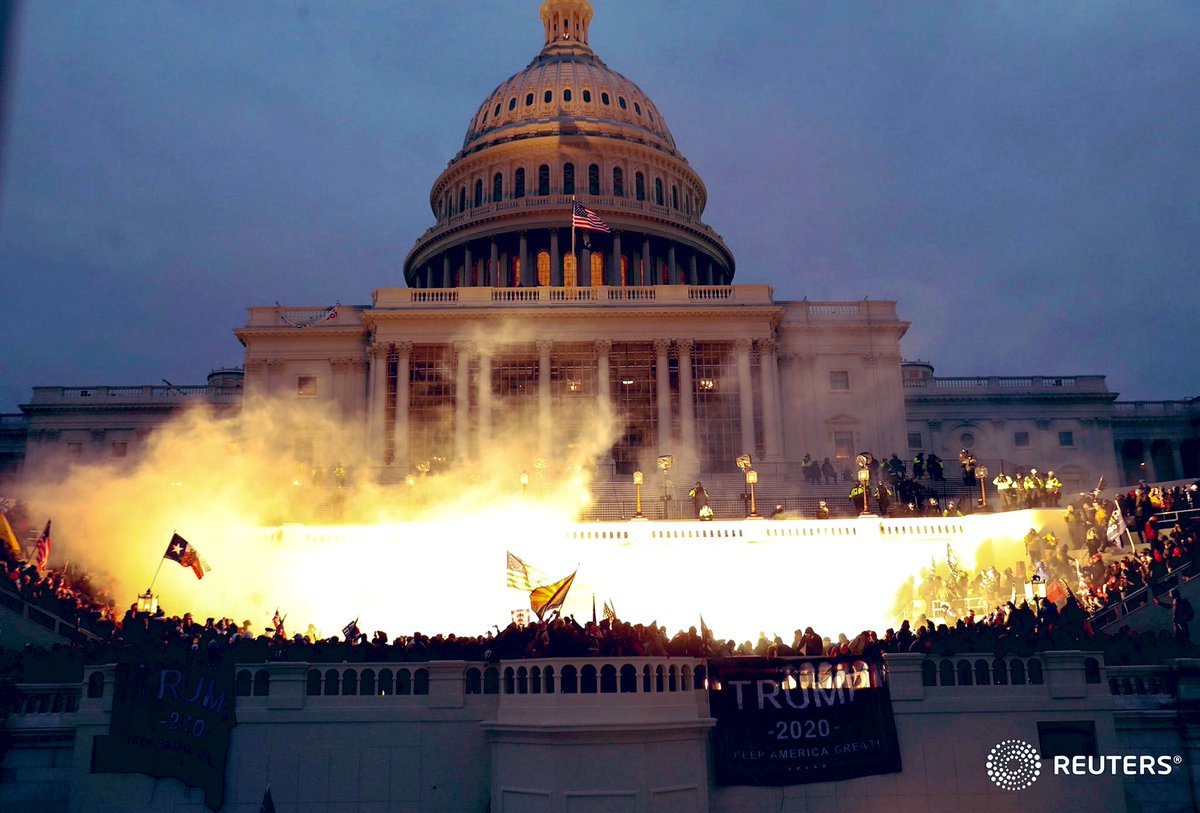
(180, 550)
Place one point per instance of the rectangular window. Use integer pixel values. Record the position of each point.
(1067, 738)
(1020, 439)
(843, 445)
(839, 379)
(74, 451)
(1066, 438)
(914, 441)
(119, 448)
(306, 385)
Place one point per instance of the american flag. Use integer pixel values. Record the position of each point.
(584, 218)
(520, 575)
(42, 553)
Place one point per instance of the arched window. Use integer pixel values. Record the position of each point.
(658, 191)
(95, 685)
(569, 680)
(332, 681)
(543, 268)
(628, 679)
(515, 272)
(603, 97)
(548, 96)
(674, 196)
(519, 183)
(385, 681)
(568, 178)
(350, 682)
(587, 679)
(496, 112)
(597, 269)
(587, 95)
(262, 683)
(242, 683)
(479, 192)
(544, 179)
(608, 679)
(528, 99)
(366, 684)
(570, 263)
(566, 94)
(637, 108)
(512, 103)
(313, 685)
(497, 187)
(594, 179)
(624, 271)
(462, 199)
(621, 103)
(639, 186)
(618, 182)
(474, 681)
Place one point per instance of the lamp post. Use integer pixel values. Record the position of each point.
(664, 463)
(637, 482)
(524, 482)
(864, 481)
(412, 484)
(981, 472)
(751, 479)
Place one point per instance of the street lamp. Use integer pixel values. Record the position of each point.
(864, 481)
(751, 479)
(664, 465)
(981, 472)
(147, 603)
(524, 481)
(637, 481)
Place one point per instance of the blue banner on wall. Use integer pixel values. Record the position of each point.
(790, 721)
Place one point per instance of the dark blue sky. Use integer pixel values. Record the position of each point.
(1022, 177)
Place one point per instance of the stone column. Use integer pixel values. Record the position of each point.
(556, 266)
(503, 272)
(447, 279)
(687, 398)
(462, 400)
(467, 262)
(692, 278)
(523, 254)
(1176, 460)
(485, 397)
(376, 392)
(400, 430)
(672, 275)
(662, 392)
(493, 273)
(745, 394)
(604, 398)
(584, 269)
(341, 389)
(647, 263)
(709, 278)
(543, 349)
(615, 277)
(772, 403)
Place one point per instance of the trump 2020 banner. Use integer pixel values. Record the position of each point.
(789, 721)
(171, 720)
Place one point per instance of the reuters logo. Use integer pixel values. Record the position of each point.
(1014, 765)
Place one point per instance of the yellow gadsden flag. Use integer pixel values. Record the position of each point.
(8, 541)
(550, 597)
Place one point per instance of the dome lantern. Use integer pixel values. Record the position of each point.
(566, 22)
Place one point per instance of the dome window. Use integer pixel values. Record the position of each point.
(566, 94)
(604, 98)
(548, 97)
(568, 179)
(544, 179)
(674, 196)
(594, 179)
(650, 113)
(587, 96)
(519, 183)
(497, 187)
(621, 103)
(528, 99)
(639, 183)
(462, 198)
(512, 103)
(637, 108)
(618, 182)
(479, 192)
(658, 191)
(496, 112)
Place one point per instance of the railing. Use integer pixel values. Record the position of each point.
(42, 698)
(1089, 383)
(985, 670)
(1140, 598)
(551, 676)
(1154, 409)
(42, 617)
(96, 395)
(1141, 681)
(591, 296)
(12, 421)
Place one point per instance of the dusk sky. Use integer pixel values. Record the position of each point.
(1022, 177)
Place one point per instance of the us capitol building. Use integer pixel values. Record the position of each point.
(509, 313)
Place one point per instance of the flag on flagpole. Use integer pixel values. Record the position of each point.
(277, 622)
(12, 548)
(584, 218)
(268, 804)
(551, 597)
(41, 553)
(181, 551)
(610, 613)
(1116, 526)
(350, 631)
(520, 575)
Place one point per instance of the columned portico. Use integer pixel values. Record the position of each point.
(745, 393)
(662, 389)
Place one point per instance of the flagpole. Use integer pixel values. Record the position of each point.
(160, 561)
(576, 263)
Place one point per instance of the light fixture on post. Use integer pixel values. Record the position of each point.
(751, 479)
(540, 466)
(864, 482)
(637, 482)
(147, 603)
(412, 484)
(524, 482)
(664, 462)
(981, 472)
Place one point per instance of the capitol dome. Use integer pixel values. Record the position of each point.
(568, 129)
